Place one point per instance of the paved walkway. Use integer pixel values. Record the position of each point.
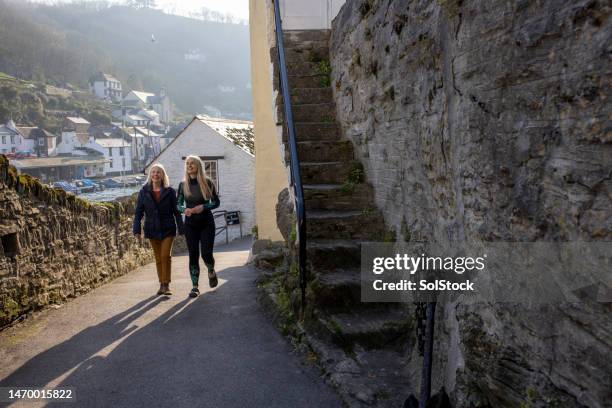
(119, 346)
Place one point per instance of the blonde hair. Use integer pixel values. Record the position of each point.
(200, 176)
(165, 179)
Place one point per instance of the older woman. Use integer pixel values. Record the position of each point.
(157, 203)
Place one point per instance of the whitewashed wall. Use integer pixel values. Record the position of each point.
(309, 15)
(236, 171)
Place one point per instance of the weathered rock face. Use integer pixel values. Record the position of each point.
(55, 246)
(489, 120)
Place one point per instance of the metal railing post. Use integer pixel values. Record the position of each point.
(296, 179)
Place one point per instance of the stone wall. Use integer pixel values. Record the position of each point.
(488, 120)
(56, 246)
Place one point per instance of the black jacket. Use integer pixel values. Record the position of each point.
(161, 219)
(205, 217)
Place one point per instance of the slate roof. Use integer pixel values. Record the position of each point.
(114, 142)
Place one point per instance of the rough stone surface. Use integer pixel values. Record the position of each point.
(285, 217)
(489, 121)
(56, 246)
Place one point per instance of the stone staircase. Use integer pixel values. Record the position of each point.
(340, 211)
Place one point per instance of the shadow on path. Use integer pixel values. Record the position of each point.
(217, 350)
(52, 363)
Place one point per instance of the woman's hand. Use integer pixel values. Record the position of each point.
(188, 212)
(197, 209)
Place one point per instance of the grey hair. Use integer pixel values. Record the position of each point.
(165, 179)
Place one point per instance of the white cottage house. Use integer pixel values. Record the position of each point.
(105, 86)
(118, 153)
(229, 163)
(137, 101)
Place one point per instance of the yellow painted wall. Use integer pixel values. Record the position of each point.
(270, 174)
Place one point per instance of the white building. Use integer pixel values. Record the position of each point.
(10, 139)
(26, 139)
(146, 145)
(117, 151)
(231, 167)
(105, 86)
(139, 100)
(75, 134)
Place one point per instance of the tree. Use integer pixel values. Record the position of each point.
(141, 4)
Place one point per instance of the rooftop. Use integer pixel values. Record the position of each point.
(101, 76)
(59, 161)
(77, 120)
(240, 132)
(114, 142)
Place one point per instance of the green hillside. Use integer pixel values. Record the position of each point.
(33, 103)
(68, 43)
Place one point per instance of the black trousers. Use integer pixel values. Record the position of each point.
(200, 240)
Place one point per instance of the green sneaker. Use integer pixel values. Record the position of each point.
(194, 292)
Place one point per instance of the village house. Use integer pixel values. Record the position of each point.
(75, 134)
(229, 163)
(118, 153)
(105, 86)
(77, 141)
(146, 145)
(137, 101)
(26, 140)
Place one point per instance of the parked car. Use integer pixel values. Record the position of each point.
(67, 187)
(24, 154)
(110, 183)
(83, 187)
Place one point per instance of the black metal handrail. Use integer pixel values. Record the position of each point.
(296, 179)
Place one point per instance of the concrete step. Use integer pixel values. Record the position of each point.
(304, 81)
(309, 113)
(322, 151)
(310, 45)
(304, 96)
(311, 131)
(332, 254)
(308, 68)
(297, 36)
(367, 224)
(333, 172)
(308, 52)
(338, 196)
(339, 290)
(373, 329)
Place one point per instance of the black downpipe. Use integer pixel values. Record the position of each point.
(296, 179)
(427, 355)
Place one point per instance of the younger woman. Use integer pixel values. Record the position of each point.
(197, 196)
(157, 203)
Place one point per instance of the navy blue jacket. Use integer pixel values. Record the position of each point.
(161, 219)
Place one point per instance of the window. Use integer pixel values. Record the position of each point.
(110, 164)
(210, 166)
(123, 162)
(41, 142)
(110, 151)
(121, 152)
(12, 139)
(3, 139)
